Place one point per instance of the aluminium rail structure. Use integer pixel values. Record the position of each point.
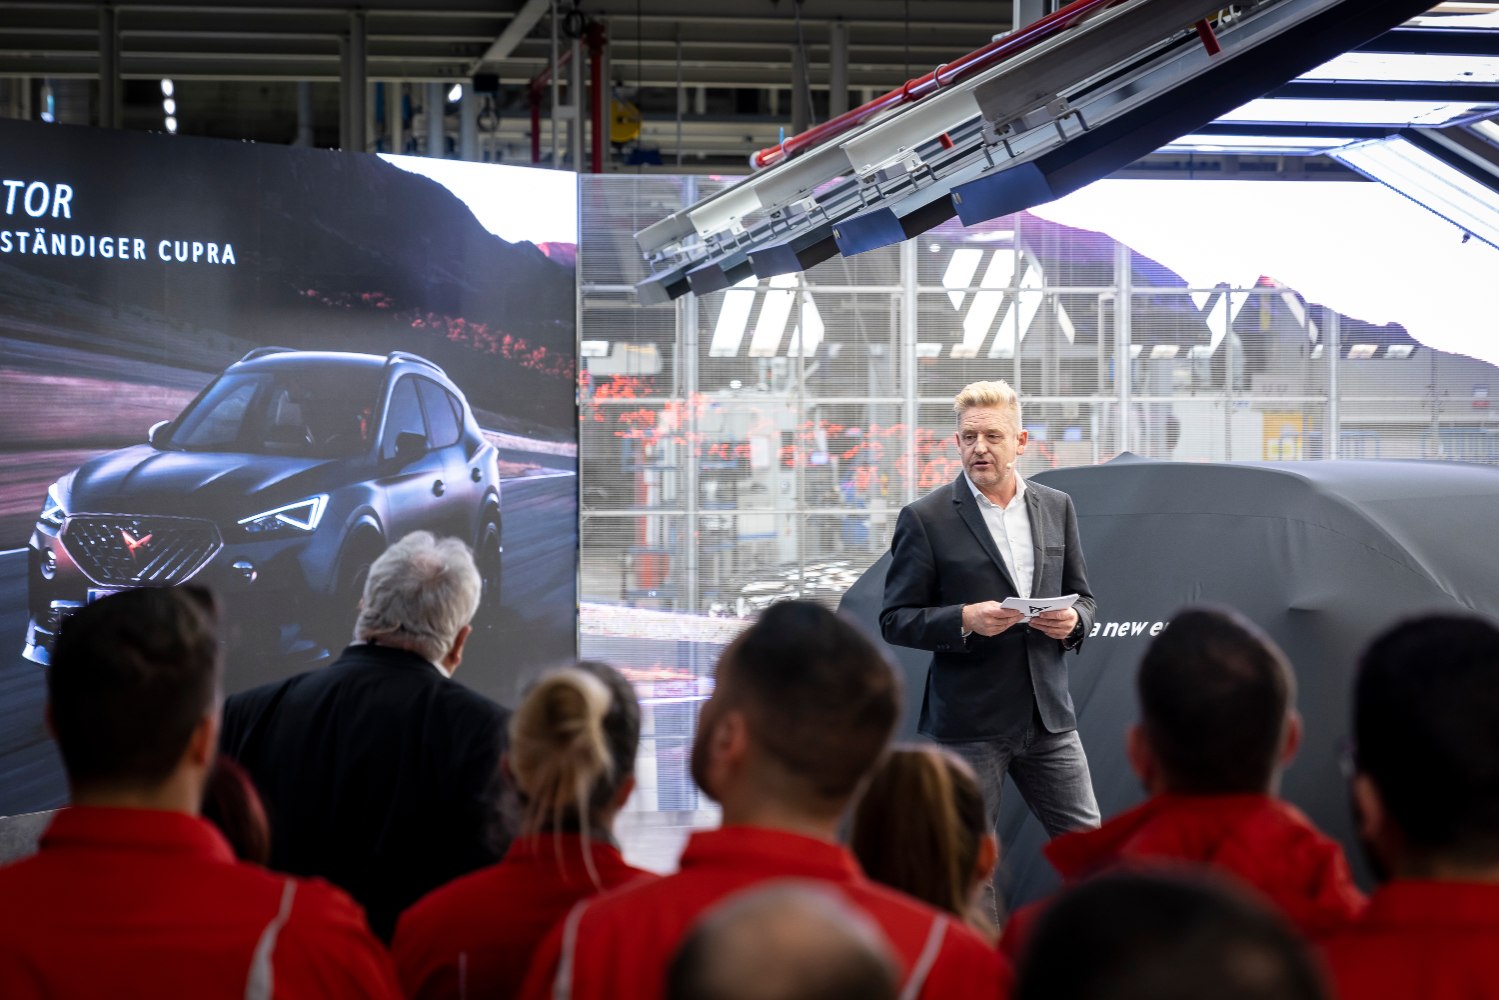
(1028, 118)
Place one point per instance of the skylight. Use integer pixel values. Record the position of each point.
(1407, 67)
(1396, 114)
(1415, 173)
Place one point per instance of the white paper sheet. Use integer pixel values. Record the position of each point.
(1030, 607)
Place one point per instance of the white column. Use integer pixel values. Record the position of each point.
(436, 135)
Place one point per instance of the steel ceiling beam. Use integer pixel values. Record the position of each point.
(272, 40)
(1292, 130)
(288, 8)
(1446, 92)
(1435, 42)
(519, 27)
(991, 17)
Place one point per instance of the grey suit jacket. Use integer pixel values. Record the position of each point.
(943, 557)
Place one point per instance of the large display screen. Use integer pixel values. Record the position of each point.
(252, 367)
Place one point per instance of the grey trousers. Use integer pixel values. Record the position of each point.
(1051, 771)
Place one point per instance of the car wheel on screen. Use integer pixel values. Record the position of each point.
(489, 555)
(354, 570)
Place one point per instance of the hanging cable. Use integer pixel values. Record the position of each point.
(806, 81)
(908, 39)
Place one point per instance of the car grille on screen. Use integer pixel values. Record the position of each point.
(120, 550)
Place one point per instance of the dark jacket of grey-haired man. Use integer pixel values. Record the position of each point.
(379, 771)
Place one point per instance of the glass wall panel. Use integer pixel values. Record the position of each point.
(1421, 404)
(757, 443)
(634, 559)
(613, 209)
(631, 353)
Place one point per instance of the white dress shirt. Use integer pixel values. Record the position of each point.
(1010, 527)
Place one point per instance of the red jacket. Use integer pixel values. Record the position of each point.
(145, 903)
(475, 936)
(618, 945)
(1264, 841)
(1421, 941)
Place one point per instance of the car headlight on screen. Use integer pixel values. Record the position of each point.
(53, 511)
(303, 515)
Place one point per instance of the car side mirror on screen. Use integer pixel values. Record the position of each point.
(159, 433)
(410, 446)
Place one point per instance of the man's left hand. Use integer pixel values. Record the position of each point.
(1057, 624)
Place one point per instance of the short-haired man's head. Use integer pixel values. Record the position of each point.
(1164, 937)
(1215, 694)
(819, 699)
(1426, 734)
(783, 941)
(572, 746)
(997, 394)
(420, 594)
(132, 676)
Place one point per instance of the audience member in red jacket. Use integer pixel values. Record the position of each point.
(133, 894)
(802, 710)
(572, 741)
(1217, 726)
(1426, 793)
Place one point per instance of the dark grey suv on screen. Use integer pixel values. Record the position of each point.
(277, 487)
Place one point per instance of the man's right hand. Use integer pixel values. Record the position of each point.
(989, 617)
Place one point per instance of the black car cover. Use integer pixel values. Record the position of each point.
(1322, 555)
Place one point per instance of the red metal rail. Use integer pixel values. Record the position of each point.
(596, 39)
(945, 75)
(534, 90)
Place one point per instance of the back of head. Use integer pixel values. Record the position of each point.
(1158, 937)
(420, 594)
(919, 824)
(572, 746)
(132, 676)
(1426, 733)
(231, 803)
(1214, 696)
(819, 698)
(783, 941)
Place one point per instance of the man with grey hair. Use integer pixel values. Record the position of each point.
(420, 596)
(996, 693)
(378, 770)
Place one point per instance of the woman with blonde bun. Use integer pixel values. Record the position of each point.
(571, 761)
(920, 827)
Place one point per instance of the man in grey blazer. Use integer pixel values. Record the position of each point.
(996, 693)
